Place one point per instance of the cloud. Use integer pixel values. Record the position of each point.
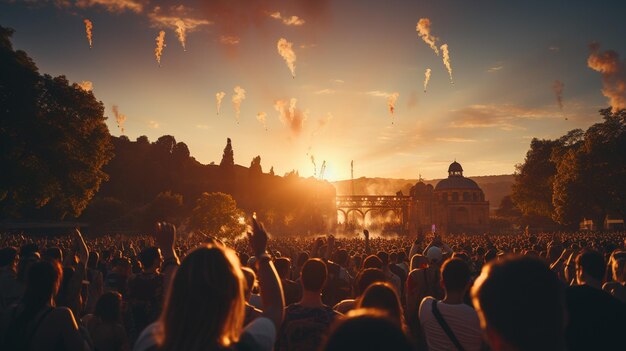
(229, 39)
(554, 48)
(337, 81)
(115, 6)
(173, 16)
(378, 93)
(456, 140)
(503, 117)
(202, 126)
(287, 20)
(613, 75)
(291, 116)
(495, 69)
(325, 92)
(153, 124)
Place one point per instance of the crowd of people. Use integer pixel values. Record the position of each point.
(547, 291)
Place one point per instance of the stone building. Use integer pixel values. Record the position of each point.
(455, 205)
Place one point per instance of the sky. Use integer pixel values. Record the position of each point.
(351, 58)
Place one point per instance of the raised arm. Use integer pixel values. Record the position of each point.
(368, 250)
(269, 283)
(165, 236)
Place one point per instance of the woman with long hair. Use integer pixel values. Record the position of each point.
(205, 306)
(383, 296)
(105, 324)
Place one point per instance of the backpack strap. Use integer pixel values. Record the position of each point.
(446, 328)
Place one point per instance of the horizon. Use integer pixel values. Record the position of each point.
(529, 78)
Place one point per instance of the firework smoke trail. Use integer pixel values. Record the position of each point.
(160, 44)
(391, 103)
(314, 166)
(262, 117)
(181, 32)
(218, 98)
(88, 28)
(613, 75)
(119, 118)
(286, 52)
(423, 28)
(426, 78)
(557, 87)
(238, 97)
(86, 85)
(446, 60)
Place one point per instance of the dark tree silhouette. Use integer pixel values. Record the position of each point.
(54, 140)
(255, 166)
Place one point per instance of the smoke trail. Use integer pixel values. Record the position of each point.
(446, 60)
(86, 85)
(218, 98)
(119, 118)
(160, 44)
(181, 32)
(262, 117)
(285, 50)
(314, 166)
(391, 102)
(291, 116)
(613, 75)
(88, 28)
(238, 97)
(426, 78)
(557, 87)
(423, 28)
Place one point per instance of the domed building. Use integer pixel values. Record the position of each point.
(455, 205)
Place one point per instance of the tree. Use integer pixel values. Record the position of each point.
(271, 171)
(228, 158)
(54, 140)
(217, 214)
(166, 206)
(255, 166)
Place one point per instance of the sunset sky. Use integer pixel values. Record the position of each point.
(505, 57)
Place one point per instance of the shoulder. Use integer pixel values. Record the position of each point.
(426, 304)
(260, 334)
(147, 340)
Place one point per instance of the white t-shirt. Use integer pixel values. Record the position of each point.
(261, 330)
(462, 319)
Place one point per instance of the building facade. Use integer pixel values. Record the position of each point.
(455, 205)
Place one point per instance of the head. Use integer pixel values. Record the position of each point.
(520, 304)
(42, 284)
(342, 258)
(618, 267)
(8, 258)
(92, 261)
(366, 329)
(283, 265)
(372, 261)
(455, 276)
(384, 258)
(590, 267)
(150, 258)
(382, 296)
(53, 253)
(250, 277)
(418, 262)
(108, 307)
(368, 277)
(205, 306)
(302, 258)
(434, 255)
(313, 275)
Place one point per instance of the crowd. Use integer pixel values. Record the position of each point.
(549, 291)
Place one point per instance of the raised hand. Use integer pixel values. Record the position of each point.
(258, 238)
(165, 236)
(366, 233)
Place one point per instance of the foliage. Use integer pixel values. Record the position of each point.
(228, 158)
(54, 140)
(217, 214)
(255, 167)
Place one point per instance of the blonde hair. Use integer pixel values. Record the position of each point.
(205, 306)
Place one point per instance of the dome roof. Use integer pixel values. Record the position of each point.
(455, 167)
(456, 182)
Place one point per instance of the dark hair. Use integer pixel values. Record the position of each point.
(148, 256)
(384, 257)
(7, 256)
(92, 261)
(522, 300)
(366, 330)
(592, 263)
(382, 296)
(250, 276)
(342, 257)
(53, 253)
(490, 255)
(455, 274)
(42, 284)
(282, 265)
(108, 307)
(372, 261)
(302, 258)
(313, 274)
(368, 277)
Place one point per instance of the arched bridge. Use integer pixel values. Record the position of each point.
(363, 204)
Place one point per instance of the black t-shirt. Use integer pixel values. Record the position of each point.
(597, 320)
